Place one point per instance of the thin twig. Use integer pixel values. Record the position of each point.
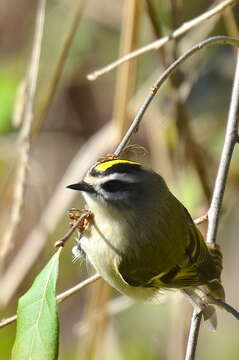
(24, 136)
(192, 147)
(193, 335)
(60, 298)
(201, 219)
(63, 296)
(228, 147)
(113, 309)
(62, 241)
(8, 321)
(223, 40)
(219, 188)
(224, 305)
(159, 43)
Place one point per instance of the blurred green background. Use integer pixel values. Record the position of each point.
(181, 137)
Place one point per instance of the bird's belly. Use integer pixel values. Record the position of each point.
(104, 256)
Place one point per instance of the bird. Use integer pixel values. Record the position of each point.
(142, 240)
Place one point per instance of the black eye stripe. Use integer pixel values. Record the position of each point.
(117, 185)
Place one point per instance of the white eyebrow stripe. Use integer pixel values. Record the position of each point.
(121, 177)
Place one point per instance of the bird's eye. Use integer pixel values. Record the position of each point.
(116, 185)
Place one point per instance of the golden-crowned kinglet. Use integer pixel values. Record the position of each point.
(142, 239)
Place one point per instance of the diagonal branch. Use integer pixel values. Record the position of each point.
(159, 43)
(223, 40)
(60, 298)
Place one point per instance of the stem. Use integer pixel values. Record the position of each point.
(228, 147)
(219, 188)
(60, 298)
(193, 335)
(160, 42)
(153, 91)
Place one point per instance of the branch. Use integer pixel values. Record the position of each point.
(159, 43)
(193, 335)
(79, 223)
(60, 298)
(223, 40)
(201, 219)
(63, 296)
(228, 147)
(219, 188)
(224, 305)
(24, 136)
(182, 121)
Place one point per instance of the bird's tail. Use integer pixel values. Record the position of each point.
(214, 288)
(208, 311)
(203, 295)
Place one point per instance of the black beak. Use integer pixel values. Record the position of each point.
(82, 186)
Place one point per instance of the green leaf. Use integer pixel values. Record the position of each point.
(37, 318)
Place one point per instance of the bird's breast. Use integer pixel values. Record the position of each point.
(104, 244)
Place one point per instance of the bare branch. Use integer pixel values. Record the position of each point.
(223, 40)
(225, 306)
(219, 188)
(182, 121)
(60, 298)
(201, 219)
(159, 43)
(24, 136)
(228, 147)
(8, 321)
(79, 223)
(63, 296)
(193, 335)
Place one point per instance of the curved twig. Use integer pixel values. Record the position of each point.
(217, 40)
(159, 43)
(225, 306)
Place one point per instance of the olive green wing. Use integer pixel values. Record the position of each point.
(196, 267)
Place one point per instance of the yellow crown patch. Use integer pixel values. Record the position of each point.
(107, 164)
